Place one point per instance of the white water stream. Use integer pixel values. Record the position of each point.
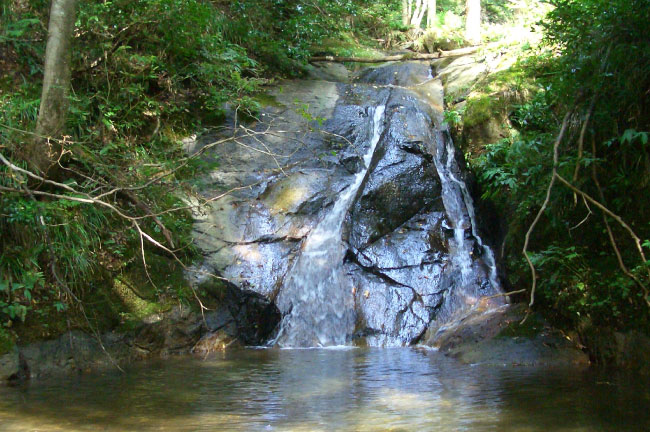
(322, 312)
(460, 209)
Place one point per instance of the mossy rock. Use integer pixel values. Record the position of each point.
(7, 341)
(484, 121)
(480, 109)
(441, 40)
(530, 328)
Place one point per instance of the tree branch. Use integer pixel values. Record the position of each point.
(403, 57)
(544, 205)
(581, 141)
(617, 218)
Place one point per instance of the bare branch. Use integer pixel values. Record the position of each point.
(617, 218)
(543, 207)
(507, 294)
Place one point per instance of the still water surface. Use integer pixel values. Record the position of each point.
(329, 390)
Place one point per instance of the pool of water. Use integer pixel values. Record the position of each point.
(329, 390)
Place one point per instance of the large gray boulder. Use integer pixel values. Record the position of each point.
(284, 173)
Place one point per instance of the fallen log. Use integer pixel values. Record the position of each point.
(402, 57)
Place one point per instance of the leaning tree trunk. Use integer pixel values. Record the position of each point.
(473, 21)
(45, 149)
(418, 13)
(431, 13)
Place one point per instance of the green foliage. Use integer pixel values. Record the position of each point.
(447, 33)
(493, 11)
(605, 51)
(604, 60)
(303, 110)
(6, 341)
(377, 19)
(14, 31)
(37, 234)
(452, 117)
(145, 73)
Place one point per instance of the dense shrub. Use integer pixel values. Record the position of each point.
(599, 72)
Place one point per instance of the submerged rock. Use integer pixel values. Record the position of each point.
(216, 341)
(9, 365)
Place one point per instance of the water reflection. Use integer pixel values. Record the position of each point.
(324, 390)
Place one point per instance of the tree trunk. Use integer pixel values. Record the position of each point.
(45, 149)
(431, 13)
(418, 13)
(473, 21)
(406, 12)
(403, 57)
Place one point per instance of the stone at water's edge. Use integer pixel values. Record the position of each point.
(245, 316)
(9, 365)
(162, 335)
(497, 337)
(410, 265)
(216, 341)
(630, 350)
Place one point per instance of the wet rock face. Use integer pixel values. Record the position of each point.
(400, 281)
(404, 245)
(399, 231)
(403, 180)
(397, 74)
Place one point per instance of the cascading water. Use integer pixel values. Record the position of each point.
(393, 260)
(460, 208)
(322, 312)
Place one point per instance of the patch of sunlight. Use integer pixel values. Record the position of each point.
(401, 401)
(139, 307)
(431, 92)
(324, 388)
(470, 300)
(249, 253)
(288, 197)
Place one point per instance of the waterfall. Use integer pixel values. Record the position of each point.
(460, 209)
(322, 312)
(340, 251)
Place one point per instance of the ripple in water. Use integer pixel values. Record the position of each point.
(324, 390)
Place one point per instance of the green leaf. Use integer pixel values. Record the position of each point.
(628, 135)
